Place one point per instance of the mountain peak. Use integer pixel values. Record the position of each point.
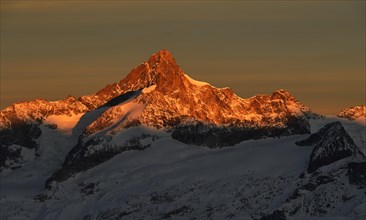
(160, 70)
(283, 94)
(161, 55)
(357, 113)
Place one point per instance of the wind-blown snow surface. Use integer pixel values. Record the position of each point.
(196, 82)
(65, 123)
(171, 180)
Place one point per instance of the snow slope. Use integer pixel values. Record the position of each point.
(168, 164)
(173, 180)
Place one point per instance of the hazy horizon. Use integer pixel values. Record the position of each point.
(315, 50)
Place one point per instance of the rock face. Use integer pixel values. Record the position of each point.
(38, 110)
(331, 143)
(353, 113)
(213, 136)
(169, 98)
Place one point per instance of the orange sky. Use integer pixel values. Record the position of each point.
(315, 50)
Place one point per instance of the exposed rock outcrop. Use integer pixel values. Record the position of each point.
(331, 143)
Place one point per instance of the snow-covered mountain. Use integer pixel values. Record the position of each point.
(357, 113)
(160, 145)
(158, 95)
(166, 96)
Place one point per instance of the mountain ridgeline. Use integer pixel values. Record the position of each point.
(159, 95)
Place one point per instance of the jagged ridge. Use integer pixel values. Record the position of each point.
(176, 98)
(166, 98)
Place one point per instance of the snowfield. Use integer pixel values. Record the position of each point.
(166, 165)
(172, 180)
